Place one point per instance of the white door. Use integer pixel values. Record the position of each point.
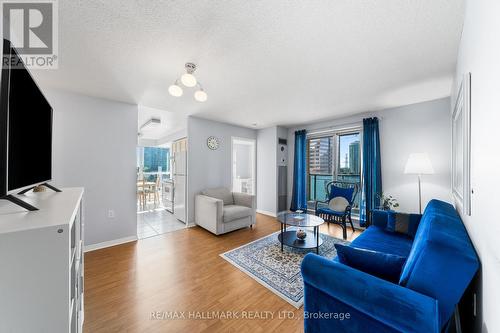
(244, 165)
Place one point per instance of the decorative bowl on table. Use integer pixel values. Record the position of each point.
(301, 234)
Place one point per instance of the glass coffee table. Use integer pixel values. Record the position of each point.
(301, 237)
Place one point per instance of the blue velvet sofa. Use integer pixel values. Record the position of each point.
(440, 263)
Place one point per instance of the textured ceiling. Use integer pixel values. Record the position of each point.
(276, 62)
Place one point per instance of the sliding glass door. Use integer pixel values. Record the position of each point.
(333, 156)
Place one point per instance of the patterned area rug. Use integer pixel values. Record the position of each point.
(278, 271)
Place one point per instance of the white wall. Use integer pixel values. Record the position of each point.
(266, 170)
(479, 53)
(422, 127)
(174, 136)
(177, 135)
(94, 144)
(210, 168)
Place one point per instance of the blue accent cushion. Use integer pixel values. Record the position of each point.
(325, 210)
(403, 223)
(346, 193)
(383, 265)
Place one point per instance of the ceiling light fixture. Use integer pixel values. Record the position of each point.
(153, 122)
(188, 80)
(200, 95)
(175, 89)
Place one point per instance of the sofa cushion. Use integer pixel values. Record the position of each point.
(378, 239)
(220, 193)
(383, 265)
(234, 212)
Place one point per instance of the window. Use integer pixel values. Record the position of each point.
(152, 161)
(320, 166)
(336, 156)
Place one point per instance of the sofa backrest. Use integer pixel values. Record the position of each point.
(442, 261)
(221, 193)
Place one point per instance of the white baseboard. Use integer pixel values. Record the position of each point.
(97, 246)
(266, 212)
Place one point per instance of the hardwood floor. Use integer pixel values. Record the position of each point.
(179, 272)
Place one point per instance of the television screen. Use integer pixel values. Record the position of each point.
(29, 124)
(4, 79)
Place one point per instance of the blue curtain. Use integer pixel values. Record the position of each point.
(372, 173)
(299, 194)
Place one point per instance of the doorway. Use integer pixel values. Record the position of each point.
(155, 190)
(244, 165)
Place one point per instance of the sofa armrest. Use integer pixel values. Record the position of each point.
(244, 199)
(208, 213)
(367, 298)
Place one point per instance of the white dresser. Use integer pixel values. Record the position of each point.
(41, 263)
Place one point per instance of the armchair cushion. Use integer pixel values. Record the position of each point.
(338, 204)
(233, 212)
(221, 193)
(383, 265)
(326, 210)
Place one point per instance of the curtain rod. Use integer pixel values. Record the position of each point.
(341, 128)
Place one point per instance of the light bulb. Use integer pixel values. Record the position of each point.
(188, 80)
(200, 96)
(175, 90)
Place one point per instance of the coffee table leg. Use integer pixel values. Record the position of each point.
(281, 237)
(316, 229)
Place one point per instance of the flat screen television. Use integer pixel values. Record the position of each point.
(25, 127)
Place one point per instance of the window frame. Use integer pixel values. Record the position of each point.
(335, 134)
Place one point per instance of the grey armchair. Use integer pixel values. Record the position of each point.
(219, 210)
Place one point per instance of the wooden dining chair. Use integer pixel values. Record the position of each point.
(150, 190)
(141, 194)
(157, 189)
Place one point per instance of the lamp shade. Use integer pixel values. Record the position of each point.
(200, 96)
(419, 164)
(188, 80)
(175, 90)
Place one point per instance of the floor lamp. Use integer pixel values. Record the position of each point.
(419, 164)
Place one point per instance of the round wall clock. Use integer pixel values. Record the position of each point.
(213, 143)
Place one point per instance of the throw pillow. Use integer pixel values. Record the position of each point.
(338, 204)
(402, 223)
(383, 265)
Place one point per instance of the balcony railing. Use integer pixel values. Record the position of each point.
(317, 188)
(152, 175)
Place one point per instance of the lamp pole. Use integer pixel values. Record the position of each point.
(419, 195)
